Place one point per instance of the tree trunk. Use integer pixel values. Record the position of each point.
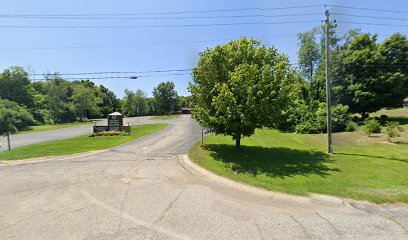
(364, 116)
(238, 143)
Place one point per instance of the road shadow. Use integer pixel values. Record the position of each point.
(274, 162)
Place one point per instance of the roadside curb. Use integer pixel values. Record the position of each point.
(201, 172)
(196, 170)
(50, 158)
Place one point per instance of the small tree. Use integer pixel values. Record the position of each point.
(393, 130)
(239, 87)
(372, 126)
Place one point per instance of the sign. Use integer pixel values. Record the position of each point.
(115, 121)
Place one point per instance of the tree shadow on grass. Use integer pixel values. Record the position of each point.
(373, 156)
(401, 120)
(273, 162)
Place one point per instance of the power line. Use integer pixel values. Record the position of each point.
(137, 45)
(169, 13)
(156, 18)
(118, 77)
(154, 26)
(374, 24)
(98, 73)
(367, 9)
(373, 17)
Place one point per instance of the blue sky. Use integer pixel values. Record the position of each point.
(162, 48)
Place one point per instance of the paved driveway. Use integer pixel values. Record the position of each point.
(141, 191)
(64, 133)
(44, 136)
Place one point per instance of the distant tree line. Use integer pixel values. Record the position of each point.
(25, 103)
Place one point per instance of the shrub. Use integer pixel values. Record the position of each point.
(351, 126)
(372, 126)
(14, 117)
(109, 134)
(312, 120)
(393, 130)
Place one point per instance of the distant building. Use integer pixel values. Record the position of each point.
(185, 110)
(406, 102)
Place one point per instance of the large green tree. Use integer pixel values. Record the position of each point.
(15, 86)
(165, 98)
(134, 103)
(58, 99)
(372, 76)
(110, 103)
(85, 100)
(241, 86)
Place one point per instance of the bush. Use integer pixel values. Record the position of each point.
(393, 130)
(109, 134)
(372, 126)
(14, 117)
(351, 126)
(312, 120)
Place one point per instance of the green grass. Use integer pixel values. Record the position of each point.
(166, 117)
(364, 168)
(47, 127)
(78, 144)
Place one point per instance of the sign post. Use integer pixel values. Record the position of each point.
(8, 141)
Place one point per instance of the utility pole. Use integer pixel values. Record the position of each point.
(328, 87)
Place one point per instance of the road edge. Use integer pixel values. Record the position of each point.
(199, 171)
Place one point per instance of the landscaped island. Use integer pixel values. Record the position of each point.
(363, 167)
(78, 144)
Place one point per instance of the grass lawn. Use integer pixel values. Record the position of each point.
(78, 144)
(46, 127)
(364, 168)
(166, 117)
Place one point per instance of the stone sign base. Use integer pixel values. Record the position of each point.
(97, 129)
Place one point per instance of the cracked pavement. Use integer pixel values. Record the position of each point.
(141, 190)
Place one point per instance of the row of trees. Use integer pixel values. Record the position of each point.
(243, 85)
(24, 103)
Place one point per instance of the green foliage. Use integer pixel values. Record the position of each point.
(14, 117)
(110, 103)
(165, 99)
(372, 126)
(85, 100)
(109, 133)
(241, 86)
(185, 101)
(393, 130)
(313, 119)
(371, 75)
(351, 126)
(15, 86)
(135, 103)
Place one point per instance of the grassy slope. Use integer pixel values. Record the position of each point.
(78, 144)
(50, 127)
(166, 117)
(367, 168)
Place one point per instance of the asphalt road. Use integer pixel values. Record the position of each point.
(62, 133)
(141, 191)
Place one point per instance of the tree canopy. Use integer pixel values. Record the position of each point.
(165, 98)
(241, 86)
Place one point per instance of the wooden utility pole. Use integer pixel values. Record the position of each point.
(328, 86)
